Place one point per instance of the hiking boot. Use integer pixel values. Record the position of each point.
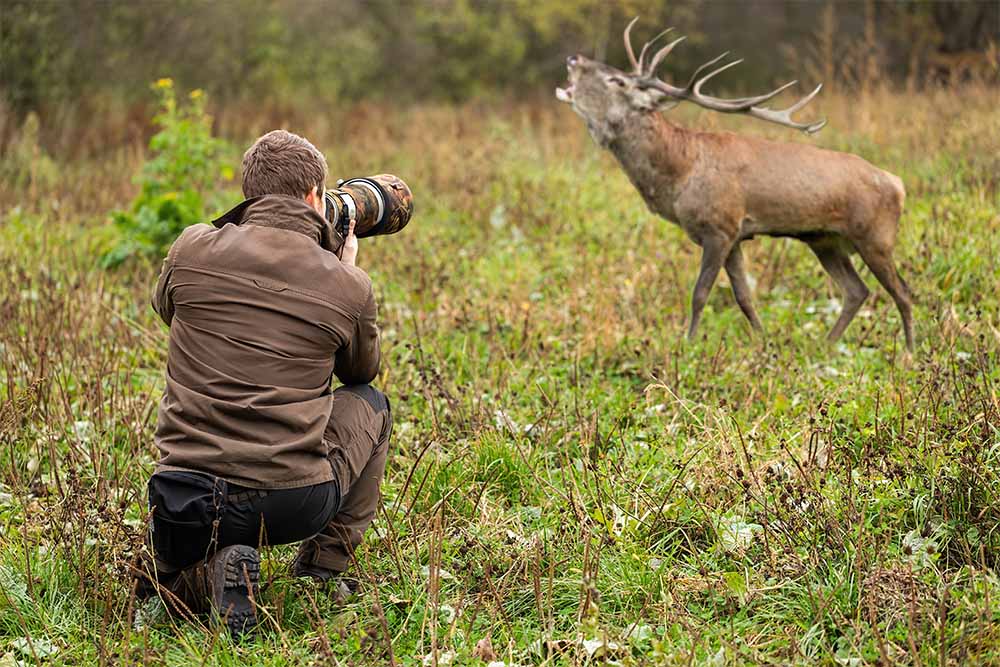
(184, 592)
(342, 588)
(233, 578)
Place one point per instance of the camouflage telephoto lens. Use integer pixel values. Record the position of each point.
(381, 204)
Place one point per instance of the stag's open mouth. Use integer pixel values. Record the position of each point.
(566, 94)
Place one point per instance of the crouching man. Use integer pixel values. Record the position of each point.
(264, 307)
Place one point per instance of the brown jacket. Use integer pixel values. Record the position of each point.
(262, 314)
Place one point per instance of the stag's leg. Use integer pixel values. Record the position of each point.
(838, 266)
(714, 252)
(741, 289)
(880, 263)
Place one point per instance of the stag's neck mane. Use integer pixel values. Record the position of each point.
(654, 151)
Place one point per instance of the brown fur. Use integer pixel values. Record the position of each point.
(724, 188)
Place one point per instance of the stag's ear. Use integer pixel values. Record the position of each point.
(651, 99)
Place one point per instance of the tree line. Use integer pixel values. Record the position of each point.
(55, 52)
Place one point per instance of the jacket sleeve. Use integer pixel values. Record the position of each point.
(358, 361)
(162, 303)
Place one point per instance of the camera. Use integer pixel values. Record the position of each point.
(381, 204)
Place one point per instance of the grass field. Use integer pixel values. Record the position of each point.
(571, 482)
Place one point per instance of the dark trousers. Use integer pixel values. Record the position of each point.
(358, 432)
(195, 514)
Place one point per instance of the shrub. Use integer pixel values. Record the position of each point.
(185, 162)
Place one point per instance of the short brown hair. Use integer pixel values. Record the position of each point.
(282, 163)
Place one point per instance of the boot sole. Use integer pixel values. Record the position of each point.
(234, 592)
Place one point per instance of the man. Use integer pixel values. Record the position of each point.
(255, 448)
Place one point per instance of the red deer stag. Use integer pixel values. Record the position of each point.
(724, 188)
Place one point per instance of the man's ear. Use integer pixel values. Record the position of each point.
(315, 199)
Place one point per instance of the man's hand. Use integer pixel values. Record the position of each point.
(349, 253)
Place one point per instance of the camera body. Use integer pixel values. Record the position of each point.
(380, 204)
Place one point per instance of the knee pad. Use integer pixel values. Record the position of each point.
(375, 398)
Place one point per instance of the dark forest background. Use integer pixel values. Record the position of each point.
(87, 58)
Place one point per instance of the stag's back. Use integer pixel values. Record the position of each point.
(790, 188)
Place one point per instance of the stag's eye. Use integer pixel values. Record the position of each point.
(615, 80)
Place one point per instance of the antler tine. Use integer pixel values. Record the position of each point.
(753, 101)
(628, 44)
(805, 100)
(784, 116)
(661, 54)
(694, 77)
(701, 82)
(645, 48)
(742, 103)
(738, 104)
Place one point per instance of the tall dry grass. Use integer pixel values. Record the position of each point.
(533, 290)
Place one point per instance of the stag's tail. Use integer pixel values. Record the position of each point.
(897, 193)
(898, 197)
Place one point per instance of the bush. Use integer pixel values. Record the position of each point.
(186, 161)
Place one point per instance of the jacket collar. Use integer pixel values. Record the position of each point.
(284, 212)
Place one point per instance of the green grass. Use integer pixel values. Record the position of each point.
(568, 475)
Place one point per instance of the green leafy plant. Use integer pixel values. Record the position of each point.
(186, 161)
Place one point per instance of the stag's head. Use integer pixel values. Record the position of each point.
(603, 95)
(606, 97)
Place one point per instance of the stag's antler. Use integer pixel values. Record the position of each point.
(692, 91)
(639, 66)
(628, 46)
